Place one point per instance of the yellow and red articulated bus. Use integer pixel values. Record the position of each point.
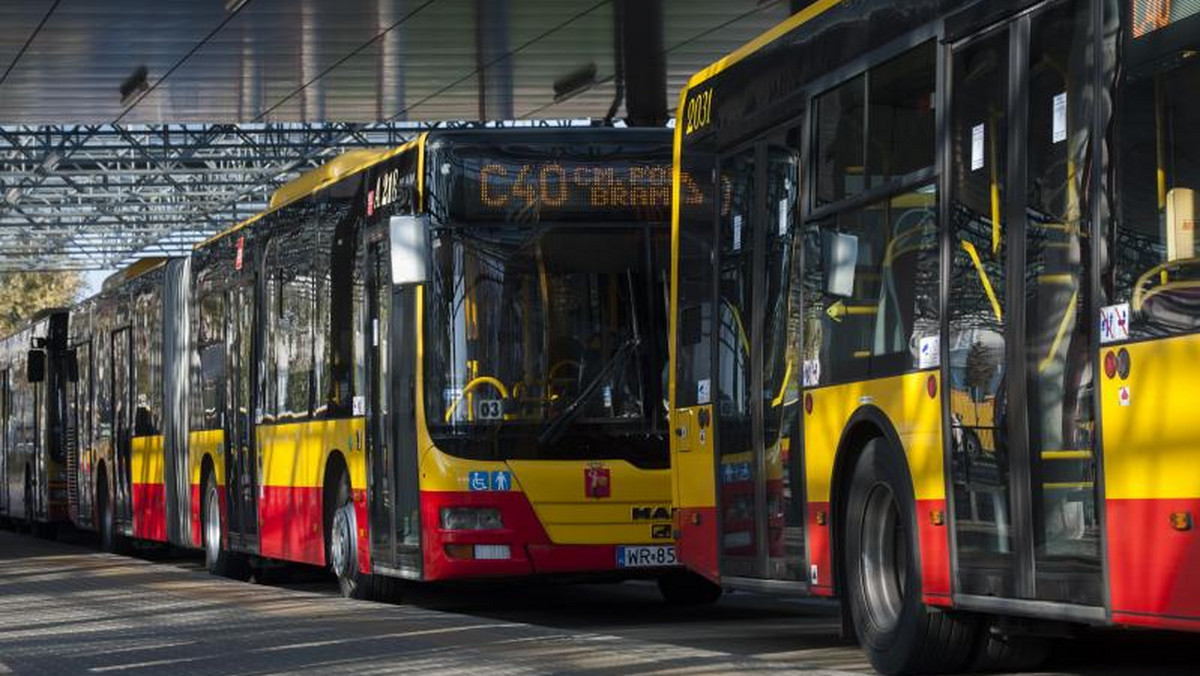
(440, 361)
(934, 315)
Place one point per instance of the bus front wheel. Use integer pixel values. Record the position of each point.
(342, 553)
(898, 632)
(217, 559)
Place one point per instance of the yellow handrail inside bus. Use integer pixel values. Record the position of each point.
(737, 319)
(1066, 455)
(1068, 315)
(983, 278)
(1069, 485)
(476, 382)
(1141, 294)
(787, 375)
(994, 190)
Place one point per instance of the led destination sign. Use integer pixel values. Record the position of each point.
(552, 182)
(1147, 16)
(554, 186)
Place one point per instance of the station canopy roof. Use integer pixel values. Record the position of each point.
(132, 128)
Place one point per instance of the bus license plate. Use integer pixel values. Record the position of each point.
(645, 557)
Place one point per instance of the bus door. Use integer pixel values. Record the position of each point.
(1019, 384)
(121, 367)
(241, 459)
(755, 393)
(391, 433)
(81, 419)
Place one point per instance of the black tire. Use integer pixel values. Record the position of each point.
(29, 523)
(685, 588)
(1001, 652)
(217, 559)
(341, 551)
(105, 526)
(898, 632)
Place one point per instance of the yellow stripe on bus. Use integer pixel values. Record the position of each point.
(294, 455)
(1149, 430)
(146, 459)
(207, 443)
(905, 401)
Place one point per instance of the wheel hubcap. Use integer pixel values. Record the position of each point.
(884, 557)
(212, 528)
(342, 541)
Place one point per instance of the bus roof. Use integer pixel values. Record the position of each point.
(314, 181)
(771, 35)
(355, 161)
(132, 272)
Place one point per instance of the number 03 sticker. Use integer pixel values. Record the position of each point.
(490, 409)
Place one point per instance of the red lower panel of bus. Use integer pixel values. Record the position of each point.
(292, 525)
(197, 537)
(530, 551)
(150, 512)
(697, 544)
(935, 552)
(1152, 565)
(932, 539)
(820, 550)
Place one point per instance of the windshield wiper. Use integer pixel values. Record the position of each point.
(555, 428)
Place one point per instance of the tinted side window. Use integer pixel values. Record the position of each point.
(900, 119)
(840, 151)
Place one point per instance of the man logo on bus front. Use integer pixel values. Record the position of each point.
(597, 482)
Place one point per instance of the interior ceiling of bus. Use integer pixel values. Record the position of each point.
(132, 128)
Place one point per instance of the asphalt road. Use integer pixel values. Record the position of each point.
(67, 609)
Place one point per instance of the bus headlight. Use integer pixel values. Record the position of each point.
(471, 518)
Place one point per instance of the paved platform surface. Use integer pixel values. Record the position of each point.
(67, 609)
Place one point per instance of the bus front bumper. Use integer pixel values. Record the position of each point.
(520, 548)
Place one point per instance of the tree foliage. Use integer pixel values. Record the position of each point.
(24, 294)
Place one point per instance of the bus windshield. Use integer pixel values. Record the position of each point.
(543, 341)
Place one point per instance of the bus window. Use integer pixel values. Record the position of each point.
(900, 119)
(875, 331)
(1156, 268)
(840, 152)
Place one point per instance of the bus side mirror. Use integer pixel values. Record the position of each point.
(409, 249)
(839, 253)
(72, 364)
(35, 366)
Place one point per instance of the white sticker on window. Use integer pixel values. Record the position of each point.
(374, 333)
(812, 372)
(1114, 323)
(737, 232)
(490, 409)
(977, 147)
(929, 352)
(360, 405)
(1058, 132)
(703, 392)
(783, 217)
